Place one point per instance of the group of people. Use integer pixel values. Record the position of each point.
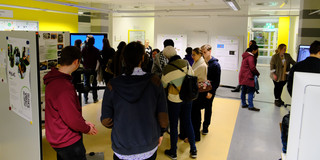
(139, 104)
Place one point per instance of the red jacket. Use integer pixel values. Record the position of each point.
(63, 119)
(248, 70)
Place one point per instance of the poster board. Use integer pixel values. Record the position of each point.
(20, 138)
(136, 35)
(180, 42)
(228, 50)
(50, 47)
(303, 138)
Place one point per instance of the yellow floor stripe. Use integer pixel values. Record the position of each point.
(214, 146)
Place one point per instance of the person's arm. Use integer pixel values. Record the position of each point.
(156, 69)
(290, 80)
(252, 66)
(107, 111)
(273, 69)
(69, 112)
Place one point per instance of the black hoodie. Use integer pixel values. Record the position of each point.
(137, 107)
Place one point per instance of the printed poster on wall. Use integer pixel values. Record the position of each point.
(226, 49)
(18, 71)
(3, 66)
(180, 43)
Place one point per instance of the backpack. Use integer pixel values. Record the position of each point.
(284, 131)
(189, 89)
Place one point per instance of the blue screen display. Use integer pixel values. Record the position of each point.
(303, 53)
(97, 43)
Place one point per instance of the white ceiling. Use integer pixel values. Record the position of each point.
(190, 7)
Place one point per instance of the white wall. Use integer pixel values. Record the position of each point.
(121, 26)
(213, 26)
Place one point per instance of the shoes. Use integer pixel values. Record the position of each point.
(282, 103)
(86, 102)
(95, 101)
(237, 89)
(182, 137)
(193, 153)
(278, 103)
(254, 109)
(205, 130)
(169, 153)
(245, 106)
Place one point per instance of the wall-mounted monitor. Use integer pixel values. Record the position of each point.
(303, 52)
(83, 36)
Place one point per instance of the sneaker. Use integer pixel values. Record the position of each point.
(245, 106)
(281, 102)
(254, 109)
(169, 153)
(95, 101)
(205, 130)
(193, 153)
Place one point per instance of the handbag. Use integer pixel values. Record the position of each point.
(189, 89)
(256, 84)
(204, 86)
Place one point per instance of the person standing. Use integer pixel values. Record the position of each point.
(188, 56)
(200, 70)
(134, 106)
(172, 78)
(246, 77)
(148, 48)
(160, 61)
(214, 76)
(64, 123)
(279, 70)
(107, 53)
(90, 63)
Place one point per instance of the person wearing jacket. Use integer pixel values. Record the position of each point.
(134, 106)
(160, 61)
(246, 77)
(172, 79)
(200, 70)
(63, 119)
(106, 57)
(214, 76)
(279, 70)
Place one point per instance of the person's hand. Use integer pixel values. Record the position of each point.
(90, 124)
(209, 95)
(160, 141)
(274, 77)
(93, 131)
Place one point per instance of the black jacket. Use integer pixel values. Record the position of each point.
(214, 74)
(310, 64)
(135, 107)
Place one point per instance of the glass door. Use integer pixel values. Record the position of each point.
(266, 40)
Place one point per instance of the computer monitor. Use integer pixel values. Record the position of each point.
(303, 52)
(98, 37)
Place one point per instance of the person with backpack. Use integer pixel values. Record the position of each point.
(214, 76)
(172, 79)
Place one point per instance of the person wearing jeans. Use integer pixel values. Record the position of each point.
(246, 77)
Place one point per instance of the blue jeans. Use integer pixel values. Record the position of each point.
(244, 91)
(174, 110)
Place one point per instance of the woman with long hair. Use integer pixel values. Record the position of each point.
(279, 70)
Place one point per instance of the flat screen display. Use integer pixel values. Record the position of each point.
(303, 52)
(83, 36)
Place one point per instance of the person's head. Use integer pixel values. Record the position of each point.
(206, 51)
(189, 50)
(252, 42)
(169, 52)
(154, 52)
(281, 49)
(253, 49)
(91, 41)
(133, 56)
(196, 54)
(70, 56)
(146, 43)
(315, 49)
(168, 42)
(106, 43)
(121, 45)
(78, 43)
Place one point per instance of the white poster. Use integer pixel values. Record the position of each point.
(180, 43)
(3, 66)
(18, 71)
(226, 49)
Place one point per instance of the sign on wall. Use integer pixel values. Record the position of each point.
(8, 25)
(136, 35)
(6, 13)
(180, 42)
(18, 71)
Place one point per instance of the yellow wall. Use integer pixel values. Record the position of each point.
(48, 21)
(283, 30)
